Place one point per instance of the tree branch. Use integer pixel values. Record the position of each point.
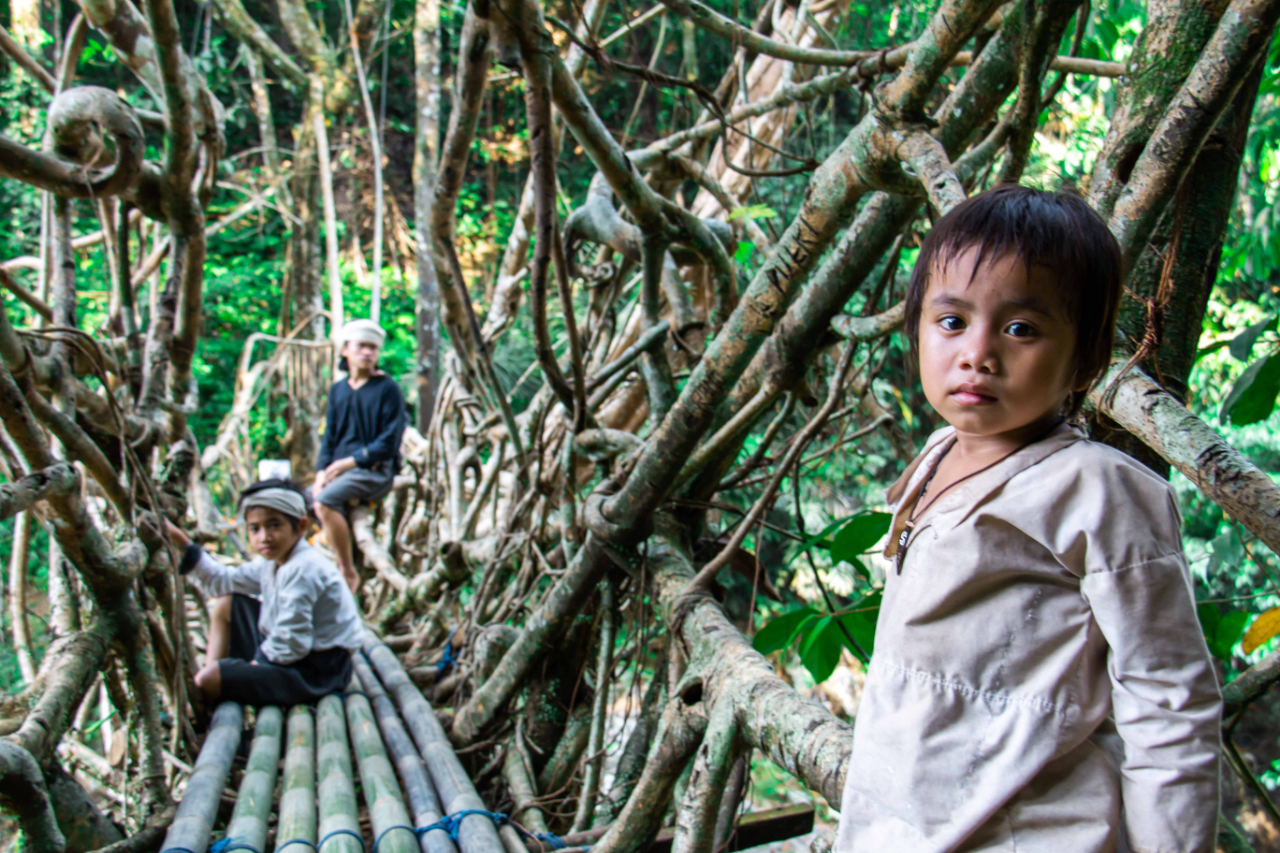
(20, 495)
(73, 169)
(1242, 36)
(713, 22)
(1187, 443)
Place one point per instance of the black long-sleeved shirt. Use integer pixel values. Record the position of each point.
(366, 423)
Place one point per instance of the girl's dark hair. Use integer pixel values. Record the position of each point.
(277, 483)
(1055, 230)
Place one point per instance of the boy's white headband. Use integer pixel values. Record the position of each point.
(285, 501)
(365, 331)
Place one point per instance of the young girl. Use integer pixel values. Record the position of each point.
(294, 646)
(1040, 681)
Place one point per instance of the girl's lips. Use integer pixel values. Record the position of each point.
(969, 398)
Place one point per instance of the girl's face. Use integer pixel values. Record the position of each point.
(271, 533)
(997, 351)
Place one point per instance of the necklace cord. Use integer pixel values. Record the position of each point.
(917, 510)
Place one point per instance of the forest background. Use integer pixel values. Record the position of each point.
(1233, 384)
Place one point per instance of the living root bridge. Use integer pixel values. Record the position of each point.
(397, 742)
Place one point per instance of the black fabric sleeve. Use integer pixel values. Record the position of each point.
(391, 416)
(330, 435)
(190, 557)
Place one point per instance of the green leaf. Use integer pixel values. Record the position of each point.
(754, 211)
(743, 253)
(99, 724)
(862, 627)
(859, 535)
(1228, 633)
(820, 650)
(1253, 397)
(1241, 345)
(778, 632)
(819, 539)
(1209, 619)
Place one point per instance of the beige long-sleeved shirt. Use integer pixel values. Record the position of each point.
(306, 605)
(1037, 601)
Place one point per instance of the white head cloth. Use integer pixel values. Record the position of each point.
(365, 331)
(285, 501)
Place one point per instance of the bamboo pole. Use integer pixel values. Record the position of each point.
(297, 827)
(382, 795)
(339, 815)
(199, 807)
(248, 824)
(476, 833)
(423, 801)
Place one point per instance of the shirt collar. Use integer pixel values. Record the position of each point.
(954, 507)
(298, 548)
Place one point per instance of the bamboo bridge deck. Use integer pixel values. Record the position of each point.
(416, 793)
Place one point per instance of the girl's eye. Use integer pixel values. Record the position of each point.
(951, 323)
(1021, 330)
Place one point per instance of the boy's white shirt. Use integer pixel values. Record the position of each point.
(1036, 600)
(306, 605)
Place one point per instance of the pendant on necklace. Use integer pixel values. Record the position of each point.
(902, 545)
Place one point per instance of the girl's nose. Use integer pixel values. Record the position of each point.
(979, 352)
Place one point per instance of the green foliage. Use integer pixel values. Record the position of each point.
(1222, 631)
(822, 635)
(1253, 397)
(858, 535)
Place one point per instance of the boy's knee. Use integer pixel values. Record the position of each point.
(220, 608)
(209, 679)
(326, 512)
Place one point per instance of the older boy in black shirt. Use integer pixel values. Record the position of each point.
(360, 453)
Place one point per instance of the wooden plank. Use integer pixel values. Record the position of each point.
(754, 829)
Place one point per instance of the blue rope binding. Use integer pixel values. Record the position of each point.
(280, 847)
(357, 836)
(226, 845)
(446, 662)
(378, 840)
(450, 824)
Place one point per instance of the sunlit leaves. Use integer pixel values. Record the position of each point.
(1263, 628)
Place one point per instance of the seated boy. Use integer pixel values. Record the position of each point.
(360, 453)
(294, 646)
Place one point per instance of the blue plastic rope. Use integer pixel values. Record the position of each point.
(226, 845)
(450, 824)
(447, 661)
(280, 847)
(357, 836)
(378, 840)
